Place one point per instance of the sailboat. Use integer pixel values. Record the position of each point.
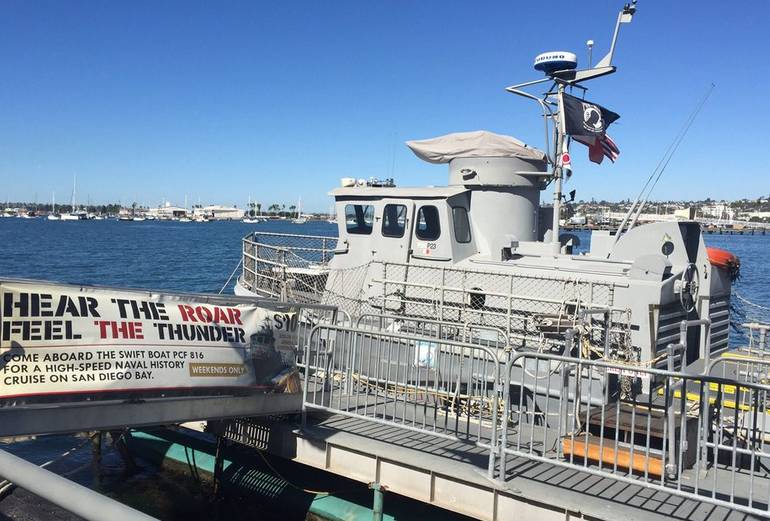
(186, 217)
(53, 216)
(250, 217)
(299, 219)
(72, 216)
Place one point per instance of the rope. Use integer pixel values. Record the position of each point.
(750, 303)
(7, 485)
(240, 261)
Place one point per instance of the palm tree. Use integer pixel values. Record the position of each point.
(259, 208)
(273, 208)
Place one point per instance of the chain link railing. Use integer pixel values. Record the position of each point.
(533, 311)
(287, 266)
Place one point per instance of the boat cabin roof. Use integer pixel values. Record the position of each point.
(422, 192)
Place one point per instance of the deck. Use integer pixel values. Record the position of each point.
(452, 474)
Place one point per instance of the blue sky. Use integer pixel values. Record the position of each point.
(146, 100)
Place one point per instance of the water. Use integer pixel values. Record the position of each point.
(168, 255)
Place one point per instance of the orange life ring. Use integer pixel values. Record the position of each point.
(724, 260)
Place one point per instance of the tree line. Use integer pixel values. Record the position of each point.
(274, 209)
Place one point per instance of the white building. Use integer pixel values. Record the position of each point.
(167, 212)
(218, 212)
(758, 215)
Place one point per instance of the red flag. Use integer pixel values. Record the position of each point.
(599, 147)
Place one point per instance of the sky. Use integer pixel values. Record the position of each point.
(157, 100)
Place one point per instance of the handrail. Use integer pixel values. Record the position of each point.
(75, 498)
(207, 298)
(277, 234)
(352, 351)
(558, 407)
(464, 325)
(674, 431)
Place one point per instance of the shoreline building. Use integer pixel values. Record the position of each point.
(167, 212)
(217, 212)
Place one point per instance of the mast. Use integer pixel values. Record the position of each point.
(74, 183)
(557, 171)
(560, 67)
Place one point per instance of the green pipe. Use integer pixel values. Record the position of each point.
(377, 502)
(190, 450)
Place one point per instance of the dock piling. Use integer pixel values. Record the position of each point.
(96, 457)
(378, 500)
(218, 465)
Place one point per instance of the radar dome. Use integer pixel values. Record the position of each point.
(550, 62)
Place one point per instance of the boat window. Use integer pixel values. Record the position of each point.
(359, 218)
(428, 225)
(461, 224)
(394, 220)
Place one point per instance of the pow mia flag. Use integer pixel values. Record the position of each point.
(583, 118)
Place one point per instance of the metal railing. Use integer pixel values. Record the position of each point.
(85, 503)
(700, 436)
(309, 318)
(417, 383)
(489, 336)
(714, 449)
(757, 334)
(287, 266)
(531, 309)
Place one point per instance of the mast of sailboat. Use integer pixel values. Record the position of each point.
(74, 183)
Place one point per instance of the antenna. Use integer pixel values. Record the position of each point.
(659, 169)
(624, 17)
(560, 68)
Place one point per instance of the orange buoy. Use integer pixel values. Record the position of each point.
(725, 260)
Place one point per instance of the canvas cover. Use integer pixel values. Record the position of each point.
(479, 143)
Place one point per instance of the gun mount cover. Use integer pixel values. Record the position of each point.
(479, 143)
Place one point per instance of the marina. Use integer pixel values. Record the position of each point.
(472, 349)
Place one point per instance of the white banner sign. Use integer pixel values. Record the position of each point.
(59, 339)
